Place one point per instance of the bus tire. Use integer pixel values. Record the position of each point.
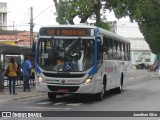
(119, 89)
(51, 95)
(100, 96)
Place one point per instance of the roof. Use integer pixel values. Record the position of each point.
(16, 50)
(9, 32)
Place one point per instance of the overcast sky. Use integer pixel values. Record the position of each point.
(19, 13)
(43, 13)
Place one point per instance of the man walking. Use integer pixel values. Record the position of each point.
(26, 67)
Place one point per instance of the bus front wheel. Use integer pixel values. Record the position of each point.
(51, 95)
(100, 96)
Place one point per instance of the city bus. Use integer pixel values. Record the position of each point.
(80, 59)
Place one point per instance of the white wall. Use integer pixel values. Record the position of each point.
(3, 15)
(138, 44)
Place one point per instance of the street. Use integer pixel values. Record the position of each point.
(139, 94)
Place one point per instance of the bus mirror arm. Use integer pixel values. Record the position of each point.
(101, 47)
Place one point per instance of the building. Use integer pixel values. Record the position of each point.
(3, 16)
(19, 38)
(140, 51)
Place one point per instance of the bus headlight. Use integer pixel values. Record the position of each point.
(40, 78)
(88, 80)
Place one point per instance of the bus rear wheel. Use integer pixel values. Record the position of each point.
(51, 95)
(119, 89)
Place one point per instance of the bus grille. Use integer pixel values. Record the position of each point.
(69, 88)
(63, 75)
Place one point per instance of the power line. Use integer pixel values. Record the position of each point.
(42, 12)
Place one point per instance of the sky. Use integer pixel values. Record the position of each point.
(19, 13)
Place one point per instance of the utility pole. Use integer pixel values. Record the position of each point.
(31, 27)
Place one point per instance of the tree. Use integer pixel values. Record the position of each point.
(67, 10)
(145, 12)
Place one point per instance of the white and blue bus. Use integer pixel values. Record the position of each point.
(80, 59)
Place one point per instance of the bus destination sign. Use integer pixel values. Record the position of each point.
(66, 32)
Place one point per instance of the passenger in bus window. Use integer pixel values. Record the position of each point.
(105, 53)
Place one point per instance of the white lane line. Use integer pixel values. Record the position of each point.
(24, 102)
(74, 104)
(43, 103)
(59, 103)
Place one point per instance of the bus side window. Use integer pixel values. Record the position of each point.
(109, 49)
(123, 51)
(100, 53)
(114, 50)
(118, 51)
(105, 51)
(128, 52)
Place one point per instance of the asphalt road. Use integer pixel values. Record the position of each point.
(141, 93)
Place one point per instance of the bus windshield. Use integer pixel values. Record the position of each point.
(66, 55)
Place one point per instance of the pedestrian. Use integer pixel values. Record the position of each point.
(19, 72)
(12, 75)
(26, 70)
(158, 61)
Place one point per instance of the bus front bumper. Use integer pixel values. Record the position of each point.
(67, 89)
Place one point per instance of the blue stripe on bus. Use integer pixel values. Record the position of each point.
(37, 69)
(94, 68)
(36, 66)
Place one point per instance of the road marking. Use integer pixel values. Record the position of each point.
(24, 102)
(59, 103)
(43, 103)
(74, 104)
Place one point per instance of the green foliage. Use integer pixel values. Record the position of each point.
(67, 10)
(104, 26)
(62, 6)
(145, 12)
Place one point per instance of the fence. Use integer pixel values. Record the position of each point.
(18, 82)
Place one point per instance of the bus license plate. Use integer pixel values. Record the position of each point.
(63, 90)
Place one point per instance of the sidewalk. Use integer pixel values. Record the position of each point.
(6, 97)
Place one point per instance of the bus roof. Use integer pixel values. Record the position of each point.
(113, 35)
(102, 31)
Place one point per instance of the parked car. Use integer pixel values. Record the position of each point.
(143, 66)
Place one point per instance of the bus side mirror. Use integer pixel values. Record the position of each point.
(100, 47)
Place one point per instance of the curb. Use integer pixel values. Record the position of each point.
(20, 98)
